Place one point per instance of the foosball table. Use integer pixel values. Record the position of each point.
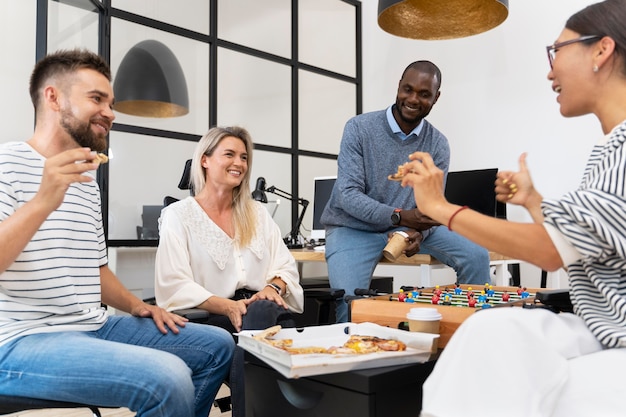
(454, 302)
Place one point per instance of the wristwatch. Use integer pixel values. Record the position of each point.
(395, 217)
(275, 287)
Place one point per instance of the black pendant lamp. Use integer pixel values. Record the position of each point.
(150, 82)
(440, 19)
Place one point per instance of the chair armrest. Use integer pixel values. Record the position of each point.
(192, 314)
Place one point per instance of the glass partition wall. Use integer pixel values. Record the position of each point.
(287, 70)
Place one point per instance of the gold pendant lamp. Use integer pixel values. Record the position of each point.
(440, 19)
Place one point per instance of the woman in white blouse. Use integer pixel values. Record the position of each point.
(220, 250)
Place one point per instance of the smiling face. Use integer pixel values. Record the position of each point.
(86, 109)
(228, 163)
(417, 94)
(572, 74)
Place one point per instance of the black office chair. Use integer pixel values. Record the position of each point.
(183, 184)
(11, 404)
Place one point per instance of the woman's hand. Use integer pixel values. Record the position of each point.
(516, 187)
(235, 310)
(426, 179)
(270, 294)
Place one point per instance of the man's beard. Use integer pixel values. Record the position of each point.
(410, 120)
(82, 133)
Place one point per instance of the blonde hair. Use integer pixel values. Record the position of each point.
(244, 215)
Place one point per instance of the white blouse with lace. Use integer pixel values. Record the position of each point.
(196, 259)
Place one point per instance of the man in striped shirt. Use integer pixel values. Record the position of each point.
(56, 340)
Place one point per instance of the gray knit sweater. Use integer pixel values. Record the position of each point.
(363, 198)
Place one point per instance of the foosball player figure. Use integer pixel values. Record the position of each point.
(437, 291)
(490, 291)
(519, 291)
(401, 296)
(435, 299)
(457, 289)
(482, 298)
(470, 293)
(471, 302)
(524, 293)
(447, 299)
(506, 296)
(485, 305)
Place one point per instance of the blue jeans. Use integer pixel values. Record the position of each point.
(126, 363)
(352, 256)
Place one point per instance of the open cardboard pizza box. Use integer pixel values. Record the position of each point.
(419, 349)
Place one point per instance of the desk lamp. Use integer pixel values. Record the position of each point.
(258, 194)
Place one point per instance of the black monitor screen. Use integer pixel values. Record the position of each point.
(321, 195)
(475, 189)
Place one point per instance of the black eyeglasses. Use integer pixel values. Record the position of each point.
(553, 48)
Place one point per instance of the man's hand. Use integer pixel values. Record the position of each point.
(60, 171)
(162, 318)
(416, 220)
(415, 240)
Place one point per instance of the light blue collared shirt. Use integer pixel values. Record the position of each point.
(395, 127)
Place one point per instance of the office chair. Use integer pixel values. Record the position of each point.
(11, 404)
(183, 184)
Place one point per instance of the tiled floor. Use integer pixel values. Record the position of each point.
(106, 412)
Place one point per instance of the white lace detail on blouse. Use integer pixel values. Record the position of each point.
(215, 241)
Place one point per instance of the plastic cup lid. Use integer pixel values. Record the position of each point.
(427, 314)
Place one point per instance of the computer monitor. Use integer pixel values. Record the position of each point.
(475, 189)
(150, 222)
(323, 186)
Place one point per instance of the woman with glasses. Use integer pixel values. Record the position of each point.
(541, 363)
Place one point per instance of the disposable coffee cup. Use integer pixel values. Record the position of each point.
(396, 245)
(424, 320)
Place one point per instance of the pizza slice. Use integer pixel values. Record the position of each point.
(398, 174)
(370, 344)
(100, 158)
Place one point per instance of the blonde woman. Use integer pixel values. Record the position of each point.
(220, 250)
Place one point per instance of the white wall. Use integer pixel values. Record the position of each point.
(17, 31)
(496, 101)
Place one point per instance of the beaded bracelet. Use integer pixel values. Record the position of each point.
(454, 214)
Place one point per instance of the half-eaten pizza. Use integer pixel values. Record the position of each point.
(356, 344)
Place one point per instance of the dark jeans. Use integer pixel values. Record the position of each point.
(261, 315)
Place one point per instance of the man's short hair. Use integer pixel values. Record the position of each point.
(426, 67)
(63, 62)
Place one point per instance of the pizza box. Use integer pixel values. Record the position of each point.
(419, 349)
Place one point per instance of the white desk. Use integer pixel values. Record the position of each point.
(426, 263)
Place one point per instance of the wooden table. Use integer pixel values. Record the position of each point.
(425, 262)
